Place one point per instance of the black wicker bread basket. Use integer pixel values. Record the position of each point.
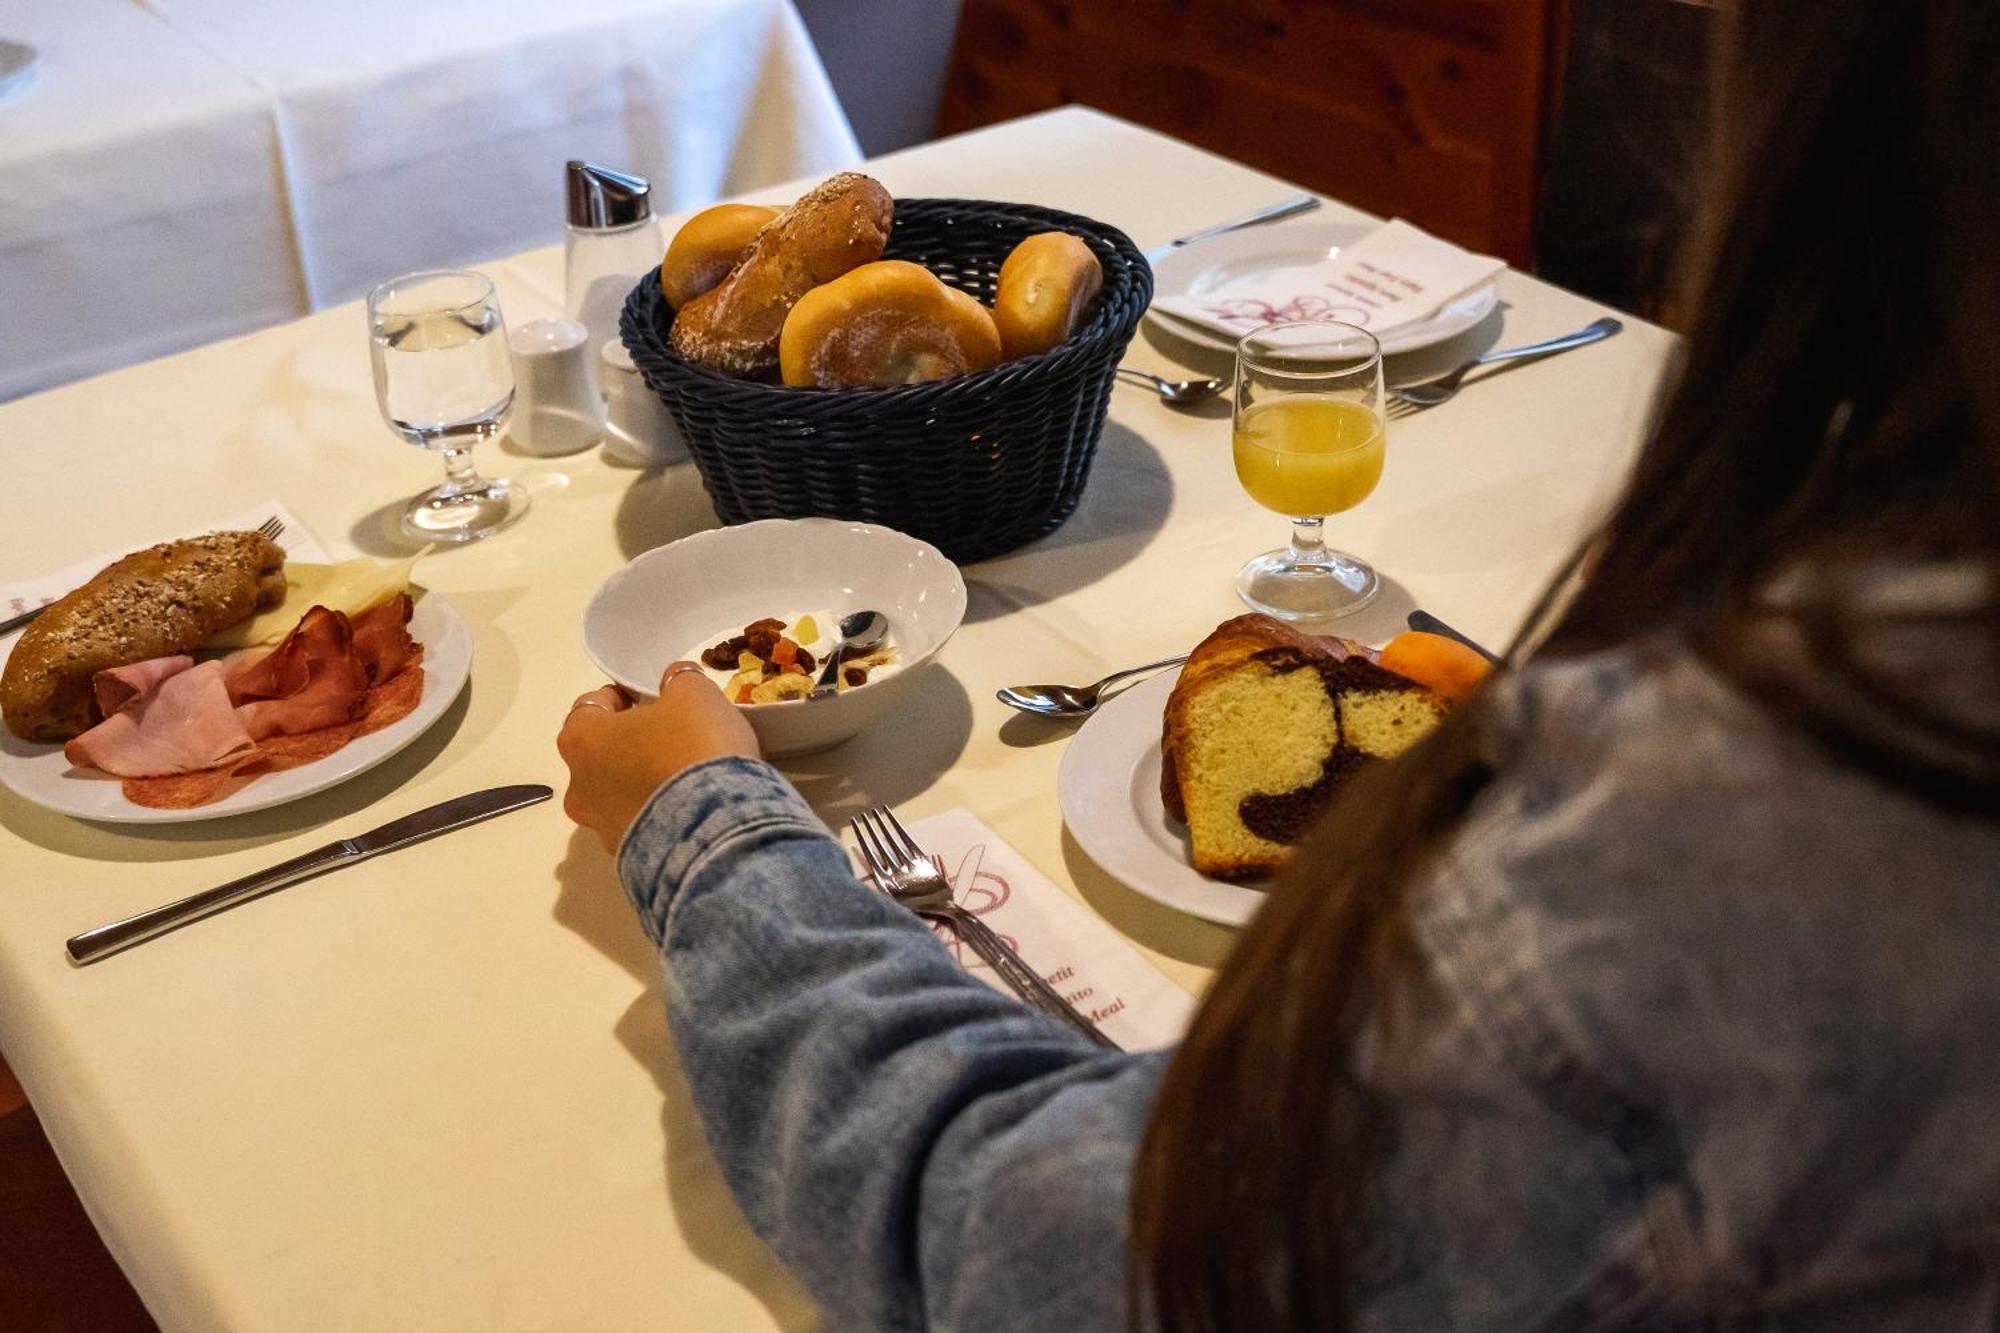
(976, 464)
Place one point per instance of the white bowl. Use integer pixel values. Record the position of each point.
(676, 598)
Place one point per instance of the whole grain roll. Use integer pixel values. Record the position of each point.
(164, 600)
(841, 224)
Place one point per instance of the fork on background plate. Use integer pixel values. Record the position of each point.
(272, 527)
(917, 881)
(1411, 399)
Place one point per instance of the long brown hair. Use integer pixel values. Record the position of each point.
(1836, 402)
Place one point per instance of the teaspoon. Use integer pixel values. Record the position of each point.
(1073, 700)
(859, 633)
(1174, 393)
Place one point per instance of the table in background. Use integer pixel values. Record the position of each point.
(183, 170)
(436, 1090)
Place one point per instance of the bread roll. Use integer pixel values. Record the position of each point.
(886, 323)
(163, 600)
(707, 246)
(1046, 285)
(842, 224)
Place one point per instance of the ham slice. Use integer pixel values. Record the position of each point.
(121, 685)
(382, 641)
(389, 702)
(183, 735)
(184, 722)
(311, 681)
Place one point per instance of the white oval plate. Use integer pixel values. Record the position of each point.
(1194, 269)
(1109, 790)
(39, 773)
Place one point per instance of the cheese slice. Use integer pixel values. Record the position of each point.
(350, 587)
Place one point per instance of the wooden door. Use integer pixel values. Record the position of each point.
(1432, 110)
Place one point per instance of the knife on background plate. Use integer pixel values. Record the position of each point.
(1284, 208)
(457, 813)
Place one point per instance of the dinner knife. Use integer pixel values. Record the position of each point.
(457, 813)
(1284, 208)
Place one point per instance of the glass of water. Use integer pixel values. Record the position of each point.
(443, 380)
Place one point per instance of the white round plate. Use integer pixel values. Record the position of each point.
(39, 773)
(17, 66)
(1194, 269)
(1109, 789)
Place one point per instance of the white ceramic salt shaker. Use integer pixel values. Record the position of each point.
(639, 430)
(556, 407)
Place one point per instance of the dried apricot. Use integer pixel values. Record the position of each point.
(1444, 665)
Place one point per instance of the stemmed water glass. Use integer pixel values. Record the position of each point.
(443, 380)
(1308, 439)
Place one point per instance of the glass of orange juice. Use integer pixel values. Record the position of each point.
(1308, 441)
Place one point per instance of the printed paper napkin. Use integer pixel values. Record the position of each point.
(1395, 276)
(297, 539)
(1075, 951)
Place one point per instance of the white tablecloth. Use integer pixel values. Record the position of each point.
(436, 1091)
(181, 170)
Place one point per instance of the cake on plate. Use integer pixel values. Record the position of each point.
(1265, 726)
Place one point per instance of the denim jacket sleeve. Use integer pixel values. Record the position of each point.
(921, 1151)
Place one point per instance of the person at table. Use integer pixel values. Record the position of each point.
(1655, 990)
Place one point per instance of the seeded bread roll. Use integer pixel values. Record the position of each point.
(841, 224)
(164, 600)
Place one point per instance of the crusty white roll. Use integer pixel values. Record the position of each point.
(1046, 285)
(706, 247)
(886, 323)
(841, 224)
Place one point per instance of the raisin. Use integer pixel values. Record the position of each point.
(720, 658)
(762, 645)
(764, 626)
(855, 675)
(771, 669)
(806, 663)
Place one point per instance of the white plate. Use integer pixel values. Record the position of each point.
(1205, 265)
(17, 67)
(39, 773)
(1109, 789)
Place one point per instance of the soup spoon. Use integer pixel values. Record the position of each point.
(859, 633)
(1073, 700)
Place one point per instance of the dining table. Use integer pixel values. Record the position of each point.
(437, 1090)
(178, 171)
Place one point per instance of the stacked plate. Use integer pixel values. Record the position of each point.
(1193, 270)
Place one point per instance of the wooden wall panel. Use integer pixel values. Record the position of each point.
(1427, 109)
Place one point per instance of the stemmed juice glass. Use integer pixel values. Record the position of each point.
(1308, 439)
(438, 346)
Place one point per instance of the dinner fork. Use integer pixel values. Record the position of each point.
(271, 527)
(917, 881)
(1413, 398)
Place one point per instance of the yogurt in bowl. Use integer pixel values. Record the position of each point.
(780, 658)
(686, 598)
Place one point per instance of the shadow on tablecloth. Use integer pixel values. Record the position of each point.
(591, 904)
(1124, 507)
